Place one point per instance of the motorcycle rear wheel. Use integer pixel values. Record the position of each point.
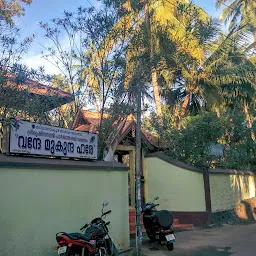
(69, 252)
(72, 254)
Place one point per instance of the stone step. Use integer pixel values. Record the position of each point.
(176, 224)
(177, 227)
(183, 226)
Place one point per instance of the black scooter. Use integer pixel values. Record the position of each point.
(158, 225)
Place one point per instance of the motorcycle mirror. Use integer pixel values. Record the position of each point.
(156, 198)
(105, 203)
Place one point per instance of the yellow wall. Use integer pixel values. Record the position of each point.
(36, 204)
(228, 190)
(178, 189)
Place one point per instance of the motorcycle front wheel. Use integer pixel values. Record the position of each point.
(102, 252)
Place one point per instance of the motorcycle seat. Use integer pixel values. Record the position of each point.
(76, 236)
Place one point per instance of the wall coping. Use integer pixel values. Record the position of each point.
(168, 159)
(46, 163)
(230, 171)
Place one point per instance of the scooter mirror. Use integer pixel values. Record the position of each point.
(105, 203)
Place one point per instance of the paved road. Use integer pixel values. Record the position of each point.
(233, 240)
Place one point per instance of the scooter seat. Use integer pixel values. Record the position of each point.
(164, 219)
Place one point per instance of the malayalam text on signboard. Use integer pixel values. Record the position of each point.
(36, 139)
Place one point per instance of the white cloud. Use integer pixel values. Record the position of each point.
(97, 5)
(36, 61)
(34, 57)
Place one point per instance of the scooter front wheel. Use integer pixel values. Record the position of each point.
(150, 236)
(170, 246)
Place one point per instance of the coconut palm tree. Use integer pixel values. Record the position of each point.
(201, 84)
(239, 13)
(151, 18)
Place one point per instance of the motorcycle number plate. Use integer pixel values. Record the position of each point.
(170, 237)
(62, 249)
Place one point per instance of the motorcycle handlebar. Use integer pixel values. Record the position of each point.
(151, 206)
(105, 213)
(85, 226)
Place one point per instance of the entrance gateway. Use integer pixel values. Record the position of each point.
(125, 150)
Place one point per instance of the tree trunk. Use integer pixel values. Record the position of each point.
(63, 118)
(185, 105)
(111, 151)
(183, 109)
(217, 112)
(156, 92)
(113, 145)
(248, 119)
(176, 114)
(153, 71)
(96, 102)
(138, 175)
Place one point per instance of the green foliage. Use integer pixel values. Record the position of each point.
(190, 143)
(15, 96)
(11, 8)
(238, 13)
(90, 69)
(241, 156)
(236, 129)
(173, 46)
(164, 126)
(196, 135)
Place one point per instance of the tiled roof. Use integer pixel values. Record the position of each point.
(40, 89)
(87, 128)
(91, 120)
(87, 114)
(151, 138)
(47, 97)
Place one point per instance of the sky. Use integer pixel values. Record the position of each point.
(45, 10)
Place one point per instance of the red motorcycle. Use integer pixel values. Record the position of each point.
(95, 240)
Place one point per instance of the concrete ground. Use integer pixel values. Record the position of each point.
(234, 240)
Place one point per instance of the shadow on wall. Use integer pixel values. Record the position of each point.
(244, 190)
(246, 210)
(243, 187)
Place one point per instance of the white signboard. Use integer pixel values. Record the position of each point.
(36, 139)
